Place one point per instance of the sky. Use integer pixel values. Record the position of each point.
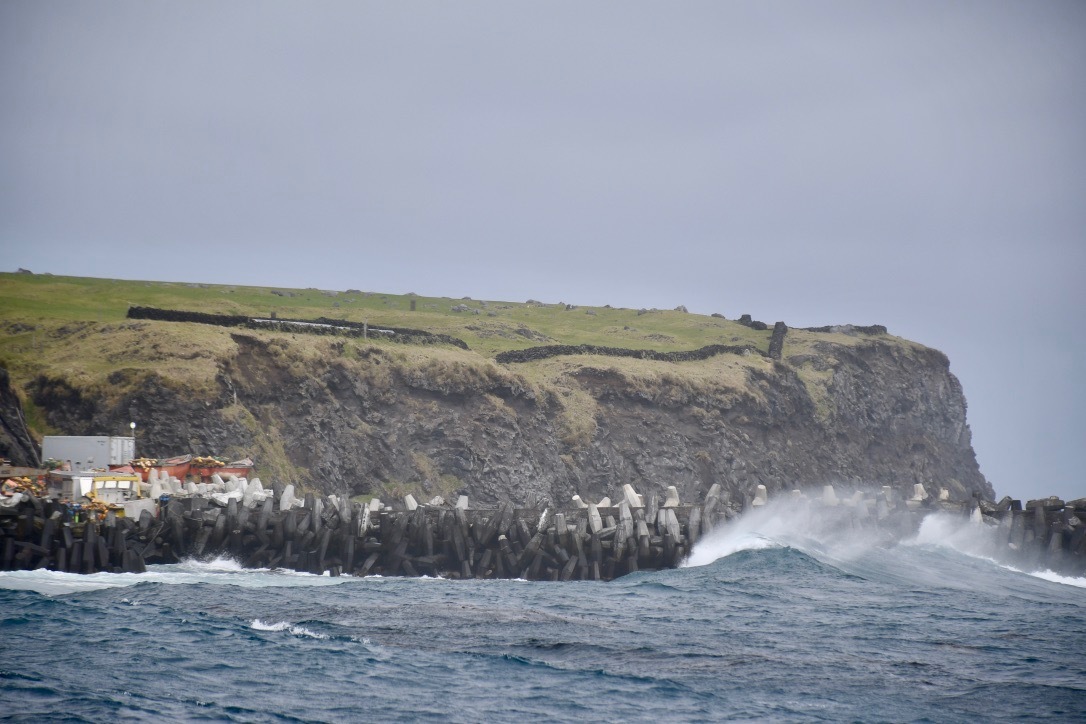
(917, 164)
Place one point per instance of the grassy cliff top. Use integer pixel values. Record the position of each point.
(49, 302)
(75, 328)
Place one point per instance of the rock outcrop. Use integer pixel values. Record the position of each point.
(362, 420)
(16, 443)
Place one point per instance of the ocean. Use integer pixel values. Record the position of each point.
(771, 619)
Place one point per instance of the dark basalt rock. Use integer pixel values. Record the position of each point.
(889, 414)
(776, 342)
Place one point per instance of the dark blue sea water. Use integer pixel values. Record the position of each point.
(772, 624)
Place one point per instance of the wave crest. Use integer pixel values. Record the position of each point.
(820, 532)
(835, 537)
(257, 625)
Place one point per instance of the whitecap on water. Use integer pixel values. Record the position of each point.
(783, 524)
(1057, 578)
(977, 541)
(222, 564)
(257, 625)
(822, 535)
(53, 583)
(218, 571)
(1048, 575)
(725, 543)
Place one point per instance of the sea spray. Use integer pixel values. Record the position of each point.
(979, 540)
(832, 534)
(295, 630)
(779, 630)
(795, 523)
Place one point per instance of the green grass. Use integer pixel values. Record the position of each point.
(40, 298)
(75, 328)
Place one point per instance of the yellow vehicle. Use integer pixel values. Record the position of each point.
(114, 488)
(119, 492)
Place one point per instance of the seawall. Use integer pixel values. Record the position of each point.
(272, 529)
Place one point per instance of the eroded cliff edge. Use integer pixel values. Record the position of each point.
(369, 418)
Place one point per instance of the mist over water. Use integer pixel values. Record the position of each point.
(781, 614)
(786, 523)
(832, 536)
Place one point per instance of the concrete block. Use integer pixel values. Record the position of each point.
(595, 522)
(672, 498)
(286, 500)
(761, 496)
(133, 508)
(671, 524)
(253, 490)
(829, 497)
(409, 502)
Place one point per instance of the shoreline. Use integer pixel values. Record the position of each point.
(329, 535)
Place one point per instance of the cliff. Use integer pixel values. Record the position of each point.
(371, 416)
(16, 441)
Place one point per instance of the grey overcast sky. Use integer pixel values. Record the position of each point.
(916, 164)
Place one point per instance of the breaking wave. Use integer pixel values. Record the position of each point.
(939, 552)
(257, 625)
(218, 571)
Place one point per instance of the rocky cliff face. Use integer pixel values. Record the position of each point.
(372, 419)
(16, 443)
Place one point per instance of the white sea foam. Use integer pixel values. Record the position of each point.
(1047, 575)
(221, 563)
(978, 541)
(965, 536)
(258, 625)
(823, 533)
(1057, 578)
(52, 583)
(218, 571)
(827, 534)
(724, 543)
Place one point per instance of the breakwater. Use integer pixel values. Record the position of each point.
(331, 535)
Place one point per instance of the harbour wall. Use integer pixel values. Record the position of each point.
(330, 535)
